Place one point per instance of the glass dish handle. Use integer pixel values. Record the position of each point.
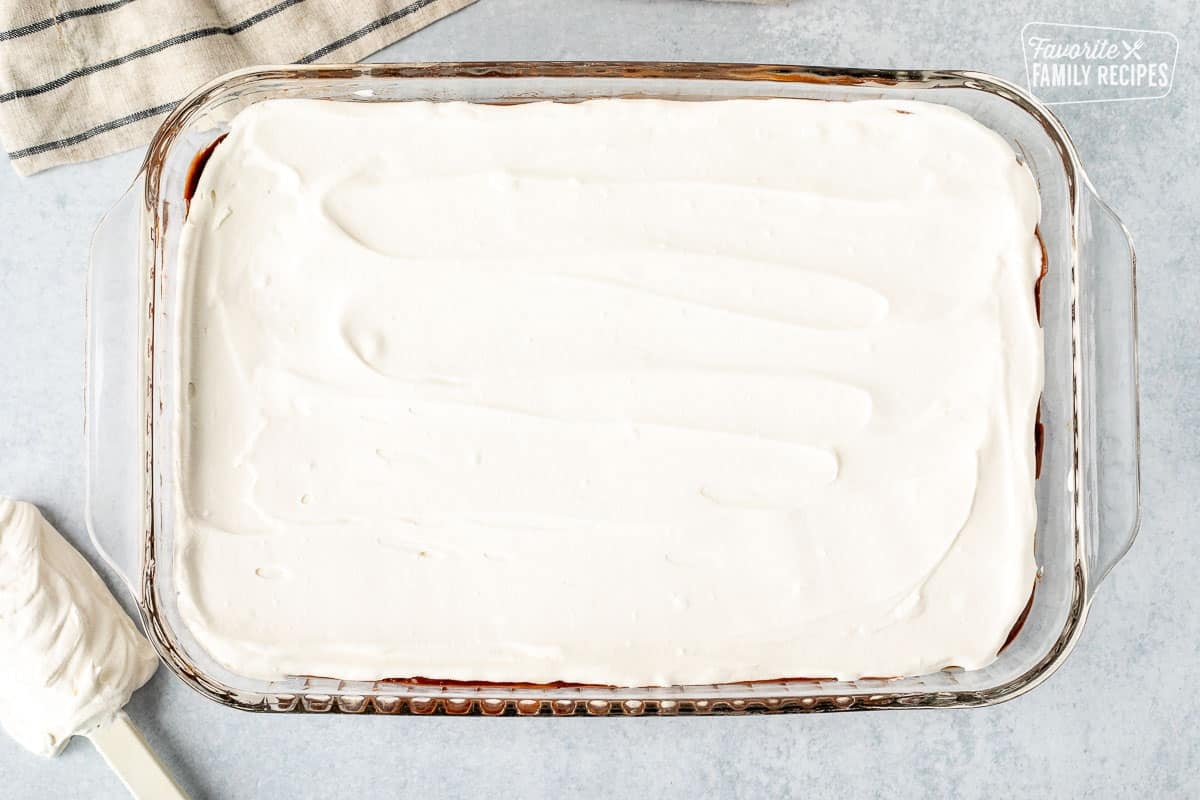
(112, 402)
(1109, 459)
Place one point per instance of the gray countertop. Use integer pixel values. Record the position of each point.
(1121, 718)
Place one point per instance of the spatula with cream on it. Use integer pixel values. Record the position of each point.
(69, 656)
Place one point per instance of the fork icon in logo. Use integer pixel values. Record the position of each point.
(1131, 50)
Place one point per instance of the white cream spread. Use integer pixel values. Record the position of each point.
(69, 656)
(629, 392)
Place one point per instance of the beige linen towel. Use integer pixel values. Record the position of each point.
(80, 79)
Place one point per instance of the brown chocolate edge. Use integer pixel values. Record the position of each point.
(1038, 431)
(199, 162)
(193, 179)
(1039, 434)
(421, 681)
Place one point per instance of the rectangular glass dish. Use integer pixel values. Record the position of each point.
(1087, 492)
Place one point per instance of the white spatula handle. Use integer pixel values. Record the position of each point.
(126, 751)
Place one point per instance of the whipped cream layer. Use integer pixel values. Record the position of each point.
(629, 392)
(69, 656)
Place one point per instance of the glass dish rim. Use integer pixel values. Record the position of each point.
(443, 698)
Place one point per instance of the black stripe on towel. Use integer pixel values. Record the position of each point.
(42, 24)
(96, 131)
(399, 14)
(191, 36)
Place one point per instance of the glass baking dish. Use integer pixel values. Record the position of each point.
(1087, 493)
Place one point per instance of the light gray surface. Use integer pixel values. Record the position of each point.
(1121, 718)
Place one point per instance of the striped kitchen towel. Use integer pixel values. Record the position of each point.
(80, 79)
